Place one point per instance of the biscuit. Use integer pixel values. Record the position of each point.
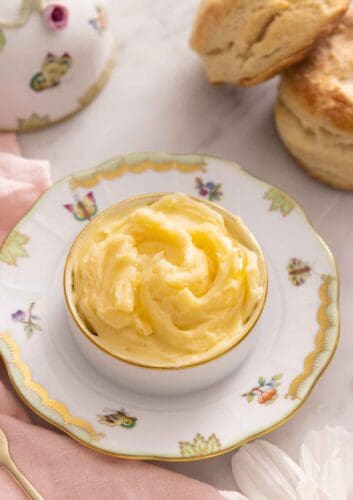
(248, 41)
(314, 110)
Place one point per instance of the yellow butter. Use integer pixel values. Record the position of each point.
(168, 284)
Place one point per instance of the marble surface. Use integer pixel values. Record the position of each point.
(159, 100)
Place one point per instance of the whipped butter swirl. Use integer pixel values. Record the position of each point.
(166, 284)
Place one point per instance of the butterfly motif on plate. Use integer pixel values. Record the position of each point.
(298, 271)
(117, 417)
(84, 208)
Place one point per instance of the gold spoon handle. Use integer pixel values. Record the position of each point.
(22, 480)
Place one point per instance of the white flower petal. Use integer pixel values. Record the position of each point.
(309, 490)
(232, 495)
(327, 459)
(264, 472)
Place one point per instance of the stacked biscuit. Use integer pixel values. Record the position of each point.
(245, 42)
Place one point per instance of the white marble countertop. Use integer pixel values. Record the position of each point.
(158, 99)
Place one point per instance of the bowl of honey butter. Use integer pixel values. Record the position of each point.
(164, 292)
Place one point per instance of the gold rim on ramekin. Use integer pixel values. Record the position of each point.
(153, 197)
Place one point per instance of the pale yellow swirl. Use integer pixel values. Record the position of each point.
(166, 284)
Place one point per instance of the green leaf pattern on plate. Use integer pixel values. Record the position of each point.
(13, 248)
(200, 446)
(2, 40)
(279, 201)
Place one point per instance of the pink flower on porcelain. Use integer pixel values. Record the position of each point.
(56, 16)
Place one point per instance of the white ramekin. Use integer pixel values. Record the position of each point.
(163, 380)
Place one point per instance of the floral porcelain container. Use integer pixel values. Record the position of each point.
(164, 380)
(54, 59)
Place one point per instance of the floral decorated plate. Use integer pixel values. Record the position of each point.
(299, 327)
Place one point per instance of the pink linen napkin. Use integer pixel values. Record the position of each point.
(57, 466)
(21, 182)
(60, 468)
